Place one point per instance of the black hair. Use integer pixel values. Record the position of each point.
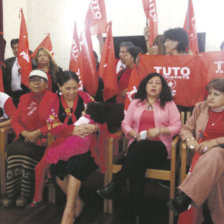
(126, 44)
(1, 112)
(134, 51)
(14, 41)
(111, 113)
(66, 76)
(180, 35)
(165, 94)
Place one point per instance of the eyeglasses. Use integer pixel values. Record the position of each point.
(37, 79)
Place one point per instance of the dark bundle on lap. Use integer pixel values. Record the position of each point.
(1, 114)
(111, 113)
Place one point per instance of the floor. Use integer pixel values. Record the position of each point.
(155, 209)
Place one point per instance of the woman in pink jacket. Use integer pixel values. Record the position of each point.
(204, 186)
(151, 121)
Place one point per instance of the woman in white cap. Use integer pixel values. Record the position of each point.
(29, 124)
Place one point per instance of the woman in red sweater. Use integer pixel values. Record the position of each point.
(29, 124)
(202, 192)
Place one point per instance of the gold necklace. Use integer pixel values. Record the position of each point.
(213, 122)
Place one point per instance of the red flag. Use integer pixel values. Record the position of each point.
(46, 43)
(2, 47)
(87, 62)
(132, 87)
(107, 68)
(74, 56)
(182, 73)
(96, 17)
(151, 14)
(212, 64)
(189, 26)
(24, 59)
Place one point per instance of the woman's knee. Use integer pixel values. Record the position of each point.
(215, 154)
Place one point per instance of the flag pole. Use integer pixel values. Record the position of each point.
(188, 23)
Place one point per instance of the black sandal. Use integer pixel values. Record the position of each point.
(35, 204)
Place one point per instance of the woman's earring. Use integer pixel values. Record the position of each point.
(59, 93)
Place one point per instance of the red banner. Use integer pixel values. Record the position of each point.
(182, 73)
(96, 17)
(151, 14)
(87, 64)
(24, 59)
(107, 68)
(189, 26)
(46, 43)
(74, 55)
(212, 63)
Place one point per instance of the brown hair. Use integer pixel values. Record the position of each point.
(217, 84)
(52, 66)
(159, 41)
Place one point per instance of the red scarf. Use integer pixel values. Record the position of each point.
(69, 111)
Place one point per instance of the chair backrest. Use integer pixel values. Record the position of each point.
(185, 113)
(186, 156)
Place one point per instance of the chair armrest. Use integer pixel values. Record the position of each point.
(174, 142)
(183, 160)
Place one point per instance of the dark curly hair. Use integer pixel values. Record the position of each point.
(180, 35)
(165, 94)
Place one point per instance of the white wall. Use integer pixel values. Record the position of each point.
(57, 18)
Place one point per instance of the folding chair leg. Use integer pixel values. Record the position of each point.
(171, 217)
(51, 193)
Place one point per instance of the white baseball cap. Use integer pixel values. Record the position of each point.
(38, 73)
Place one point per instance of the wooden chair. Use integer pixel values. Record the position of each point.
(4, 132)
(111, 144)
(185, 155)
(168, 175)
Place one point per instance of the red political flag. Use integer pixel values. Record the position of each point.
(2, 46)
(132, 87)
(182, 73)
(24, 59)
(96, 17)
(87, 63)
(151, 14)
(46, 43)
(74, 55)
(190, 27)
(107, 67)
(212, 64)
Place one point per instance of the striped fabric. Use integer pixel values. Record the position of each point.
(20, 176)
